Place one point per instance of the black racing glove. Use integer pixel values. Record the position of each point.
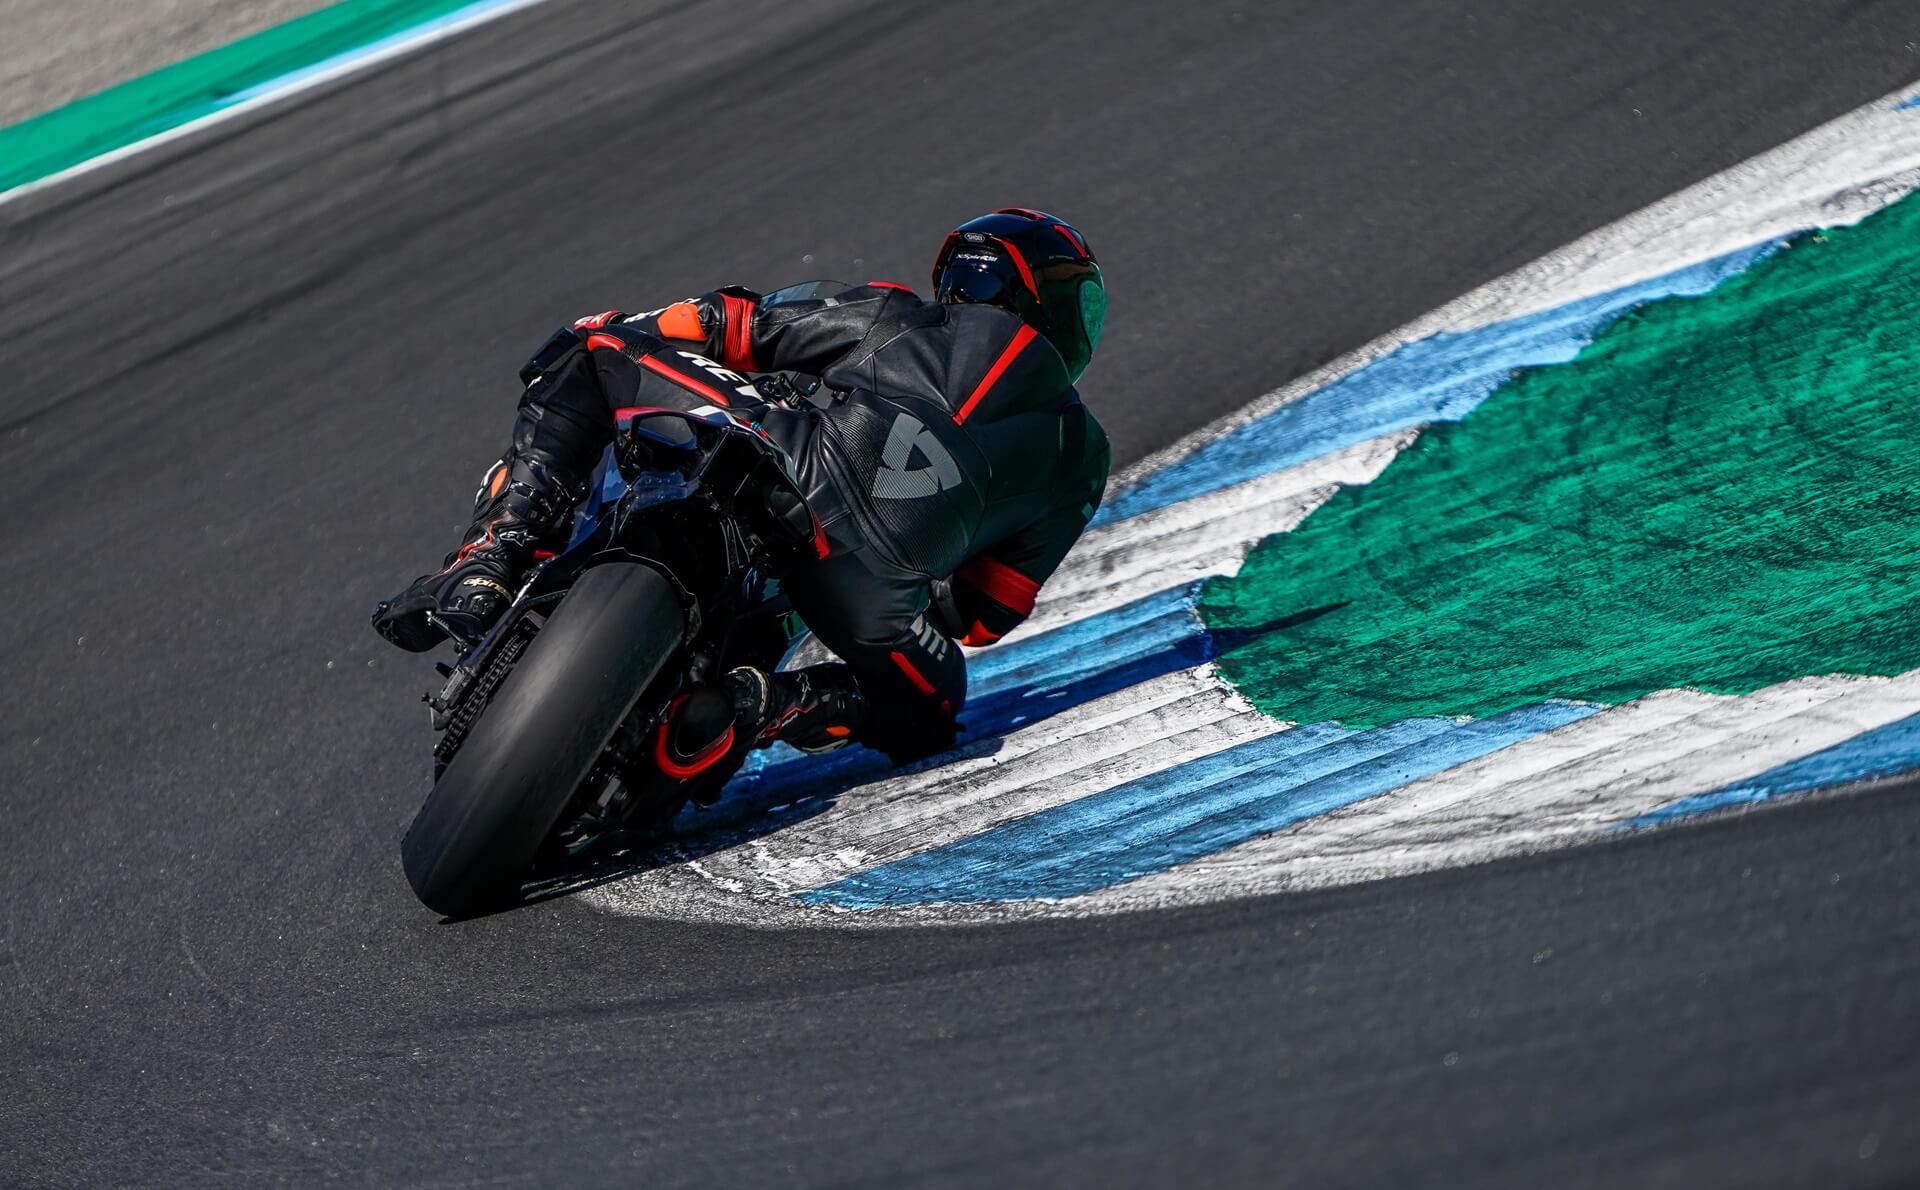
(791, 389)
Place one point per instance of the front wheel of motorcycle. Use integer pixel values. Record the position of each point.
(470, 846)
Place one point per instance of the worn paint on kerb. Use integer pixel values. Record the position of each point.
(1157, 822)
(1720, 493)
(1562, 787)
(246, 74)
(1063, 762)
(1885, 752)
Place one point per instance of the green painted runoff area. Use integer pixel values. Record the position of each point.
(1719, 493)
(177, 94)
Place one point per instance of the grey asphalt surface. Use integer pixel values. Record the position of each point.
(252, 378)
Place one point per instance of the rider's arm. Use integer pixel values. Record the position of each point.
(994, 591)
(730, 325)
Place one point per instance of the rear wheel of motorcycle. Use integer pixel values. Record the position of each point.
(470, 846)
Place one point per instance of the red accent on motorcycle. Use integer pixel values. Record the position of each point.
(611, 342)
(1021, 338)
(653, 364)
(737, 351)
(920, 683)
(1000, 583)
(701, 761)
(628, 412)
(890, 285)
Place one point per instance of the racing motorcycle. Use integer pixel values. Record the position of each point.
(553, 726)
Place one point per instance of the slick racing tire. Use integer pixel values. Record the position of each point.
(472, 843)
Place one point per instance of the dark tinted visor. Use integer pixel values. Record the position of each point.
(982, 281)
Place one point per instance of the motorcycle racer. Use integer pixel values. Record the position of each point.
(941, 445)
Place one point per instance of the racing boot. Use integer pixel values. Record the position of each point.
(816, 709)
(707, 734)
(520, 509)
(525, 503)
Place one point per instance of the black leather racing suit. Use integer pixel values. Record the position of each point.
(945, 452)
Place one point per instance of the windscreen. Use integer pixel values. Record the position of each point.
(806, 291)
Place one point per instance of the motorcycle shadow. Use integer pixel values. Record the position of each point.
(782, 788)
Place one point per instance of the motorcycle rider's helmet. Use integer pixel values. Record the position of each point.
(1035, 265)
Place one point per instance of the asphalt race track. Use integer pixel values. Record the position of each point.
(252, 377)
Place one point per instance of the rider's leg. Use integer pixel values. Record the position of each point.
(576, 386)
(522, 505)
(903, 684)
